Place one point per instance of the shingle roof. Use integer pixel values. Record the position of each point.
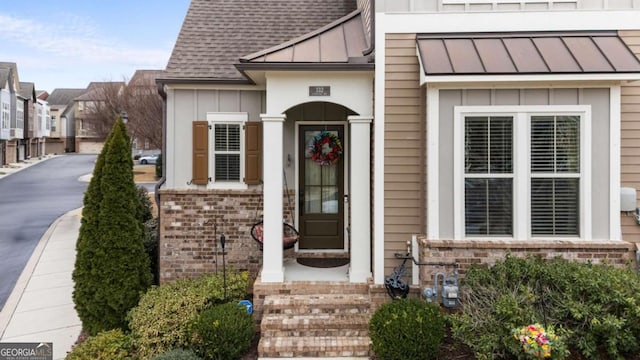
(216, 33)
(64, 96)
(27, 89)
(4, 77)
(145, 77)
(10, 66)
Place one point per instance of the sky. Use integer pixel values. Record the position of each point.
(70, 43)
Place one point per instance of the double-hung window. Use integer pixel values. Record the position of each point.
(521, 172)
(226, 144)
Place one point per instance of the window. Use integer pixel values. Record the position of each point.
(20, 115)
(227, 152)
(54, 123)
(521, 171)
(5, 115)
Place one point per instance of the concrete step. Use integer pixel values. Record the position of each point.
(314, 347)
(314, 325)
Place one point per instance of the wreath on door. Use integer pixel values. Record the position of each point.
(325, 148)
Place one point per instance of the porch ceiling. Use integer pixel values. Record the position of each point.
(601, 52)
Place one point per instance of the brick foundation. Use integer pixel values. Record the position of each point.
(192, 222)
(466, 253)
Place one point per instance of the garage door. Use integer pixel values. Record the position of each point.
(90, 147)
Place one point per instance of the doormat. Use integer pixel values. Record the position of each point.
(322, 263)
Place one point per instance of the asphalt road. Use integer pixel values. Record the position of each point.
(30, 200)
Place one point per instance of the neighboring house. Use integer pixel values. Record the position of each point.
(145, 111)
(10, 132)
(91, 128)
(27, 98)
(62, 136)
(478, 129)
(41, 124)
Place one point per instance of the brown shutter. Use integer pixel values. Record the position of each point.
(253, 152)
(200, 172)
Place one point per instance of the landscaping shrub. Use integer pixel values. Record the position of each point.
(107, 345)
(144, 205)
(223, 332)
(407, 329)
(594, 308)
(112, 269)
(151, 246)
(162, 320)
(159, 166)
(178, 354)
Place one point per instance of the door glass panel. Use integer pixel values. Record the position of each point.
(321, 181)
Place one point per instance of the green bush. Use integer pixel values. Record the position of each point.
(178, 354)
(107, 345)
(111, 269)
(151, 246)
(594, 308)
(162, 320)
(159, 166)
(223, 332)
(407, 329)
(144, 205)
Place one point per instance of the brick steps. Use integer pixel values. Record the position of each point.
(315, 326)
(314, 347)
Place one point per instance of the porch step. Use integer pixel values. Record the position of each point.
(315, 326)
(314, 347)
(316, 304)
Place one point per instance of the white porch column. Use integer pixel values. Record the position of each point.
(360, 197)
(272, 150)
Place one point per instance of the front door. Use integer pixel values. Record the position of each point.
(321, 187)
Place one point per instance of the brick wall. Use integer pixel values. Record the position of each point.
(192, 222)
(465, 253)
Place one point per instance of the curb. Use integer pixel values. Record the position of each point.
(16, 294)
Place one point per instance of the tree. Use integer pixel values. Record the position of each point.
(139, 99)
(112, 268)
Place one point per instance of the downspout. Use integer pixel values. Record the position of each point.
(163, 179)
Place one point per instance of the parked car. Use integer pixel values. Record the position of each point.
(148, 159)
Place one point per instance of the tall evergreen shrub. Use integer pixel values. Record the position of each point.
(113, 268)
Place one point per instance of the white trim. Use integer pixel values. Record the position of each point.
(433, 163)
(480, 79)
(197, 86)
(615, 119)
(378, 166)
(505, 21)
(415, 269)
(522, 116)
(230, 118)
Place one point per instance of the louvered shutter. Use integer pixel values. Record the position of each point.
(200, 171)
(253, 152)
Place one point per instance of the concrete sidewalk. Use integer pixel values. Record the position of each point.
(40, 308)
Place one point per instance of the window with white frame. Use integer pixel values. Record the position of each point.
(5, 115)
(521, 172)
(20, 115)
(226, 143)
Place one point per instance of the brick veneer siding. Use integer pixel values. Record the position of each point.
(191, 223)
(466, 253)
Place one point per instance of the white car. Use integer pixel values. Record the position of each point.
(148, 159)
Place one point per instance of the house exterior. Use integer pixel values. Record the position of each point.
(145, 112)
(90, 130)
(455, 131)
(9, 131)
(26, 100)
(62, 135)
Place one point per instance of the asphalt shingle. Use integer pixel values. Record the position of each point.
(216, 33)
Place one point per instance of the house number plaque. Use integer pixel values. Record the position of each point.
(319, 90)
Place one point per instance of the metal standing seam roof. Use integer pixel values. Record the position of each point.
(341, 41)
(525, 53)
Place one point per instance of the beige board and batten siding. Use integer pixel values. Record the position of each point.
(186, 106)
(403, 6)
(404, 153)
(630, 138)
